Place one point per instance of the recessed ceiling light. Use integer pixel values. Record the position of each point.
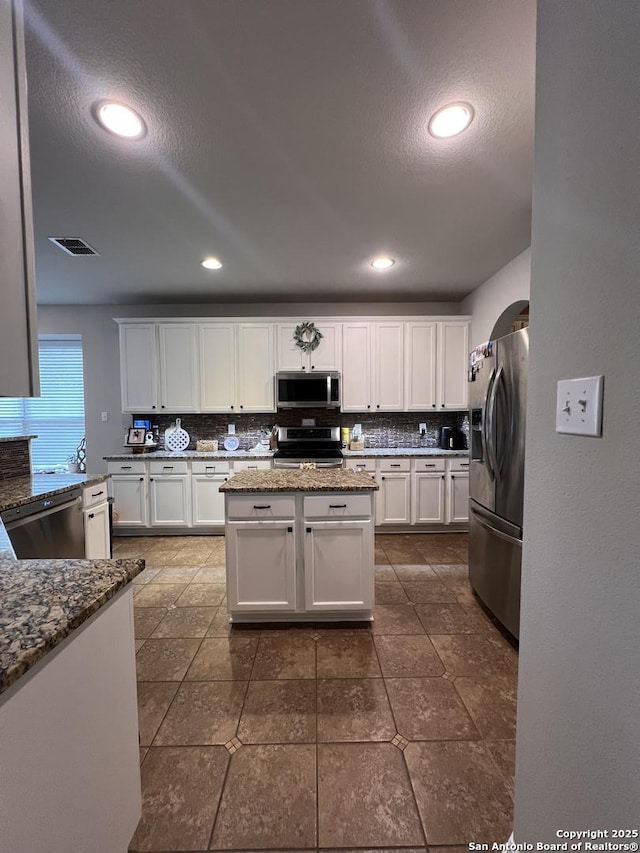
(211, 264)
(382, 263)
(119, 119)
(450, 120)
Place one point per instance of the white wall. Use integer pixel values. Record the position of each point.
(578, 739)
(509, 285)
(102, 356)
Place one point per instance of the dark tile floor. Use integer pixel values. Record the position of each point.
(399, 735)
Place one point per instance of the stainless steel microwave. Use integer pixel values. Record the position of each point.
(317, 390)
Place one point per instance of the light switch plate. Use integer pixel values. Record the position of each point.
(231, 429)
(422, 428)
(579, 406)
(105, 417)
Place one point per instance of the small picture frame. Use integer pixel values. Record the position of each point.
(136, 436)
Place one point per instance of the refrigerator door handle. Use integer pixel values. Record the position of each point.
(505, 437)
(483, 427)
(495, 532)
(491, 411)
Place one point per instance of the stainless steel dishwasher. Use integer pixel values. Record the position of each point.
(48, 528)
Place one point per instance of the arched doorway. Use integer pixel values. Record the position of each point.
(515, 317)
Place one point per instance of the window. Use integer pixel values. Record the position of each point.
(57, 417)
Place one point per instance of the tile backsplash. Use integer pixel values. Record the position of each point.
(15, 459)
(385, 429)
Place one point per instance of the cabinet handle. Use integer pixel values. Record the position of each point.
(453, 477)
(313, 367)
(368, 406)
(96, 494)
(91, 515)
(141, 479)
(150, 479)
(289, 529)
(382, 478)
(262, 506)
(442, 478)
(232, 407)
(153, 407)
(125, 467)
(225, 479)
(167, 467)
(242, 407)
(378, 406)
(337, 506)
(394, 465)
(433, 405)
(308, 530)
(430, 465)
(464, 464)
(252, 467)
(209, 467)
(303, 367)
(443, 405)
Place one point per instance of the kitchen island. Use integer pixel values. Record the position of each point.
(70, 777)
(300, 545)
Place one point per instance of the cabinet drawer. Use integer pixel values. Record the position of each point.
(209, 466)
(368, 465)
(395, 465)
(256, 507)
(251, 465)
(93, 495)
(337, 506)
(169, 466)
(137, 467)
(461, 463)
(428, 465)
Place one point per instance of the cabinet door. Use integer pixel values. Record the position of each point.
(393, 501)
(217, 349)
(356, 369)
(420, 367)
(130, 500)
(256, 374)
(388, 367)
(453, 354)
(338, 565)
(427, 506)
(288, 355)
(207, 502)
(97, 540)
(178, 361)
(261, 565)
(138, 374)
(458, 497)
(19, 375)
(169, 500)
(328, 355)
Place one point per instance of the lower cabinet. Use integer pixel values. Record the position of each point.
(97, 534)
(130, 505)
(428, 503)
(458, 497)
(169, 500)
(261, 565)
(337, 565)
(393, 501)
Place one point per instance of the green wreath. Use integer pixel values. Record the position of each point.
(307, 337)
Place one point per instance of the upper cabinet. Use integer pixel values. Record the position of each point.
(210, 365)
(159, 367)
(326, 356)
(19, 375)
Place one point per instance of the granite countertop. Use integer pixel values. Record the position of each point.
(192, 454)
(308, 480)
(21, 490)
(43, 601)
(402, 451)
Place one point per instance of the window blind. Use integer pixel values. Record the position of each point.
(57, 417)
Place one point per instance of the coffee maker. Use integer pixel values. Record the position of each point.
(451, 438)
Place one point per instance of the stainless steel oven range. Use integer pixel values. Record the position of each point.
(308, 444)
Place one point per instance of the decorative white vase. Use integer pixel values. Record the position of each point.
(74, 467)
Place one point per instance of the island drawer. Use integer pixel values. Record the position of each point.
(428, 465)
(132, 467)
(368, 465)
(338, 506)
(169, 466)
(209, 466)
(461, 463)
(255, 465)
(255, 507)
(395, 465)
(93, 495)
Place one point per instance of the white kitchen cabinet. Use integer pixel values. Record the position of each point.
(169, 500)
(421, 392)
(337, 565)
(217, 350)
(207, 501)
(457, 497)
(453, 353)
(130, 507)
(261, 565)
(19, 375)
(178, 367)
(251, 465)
(356, 370)
(393, 501)
(428, 499)
(255, 367)
(327, 356)
(138, 367)
(97, 534)
(388, 367)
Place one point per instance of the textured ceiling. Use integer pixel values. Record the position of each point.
(287, 137)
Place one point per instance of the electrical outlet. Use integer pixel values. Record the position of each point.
(579, 406)
(105, 417)
(231, 429)
(423, 429)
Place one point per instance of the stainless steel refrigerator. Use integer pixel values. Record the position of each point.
(498, 398)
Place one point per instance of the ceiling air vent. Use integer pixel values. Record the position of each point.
(73, 246)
